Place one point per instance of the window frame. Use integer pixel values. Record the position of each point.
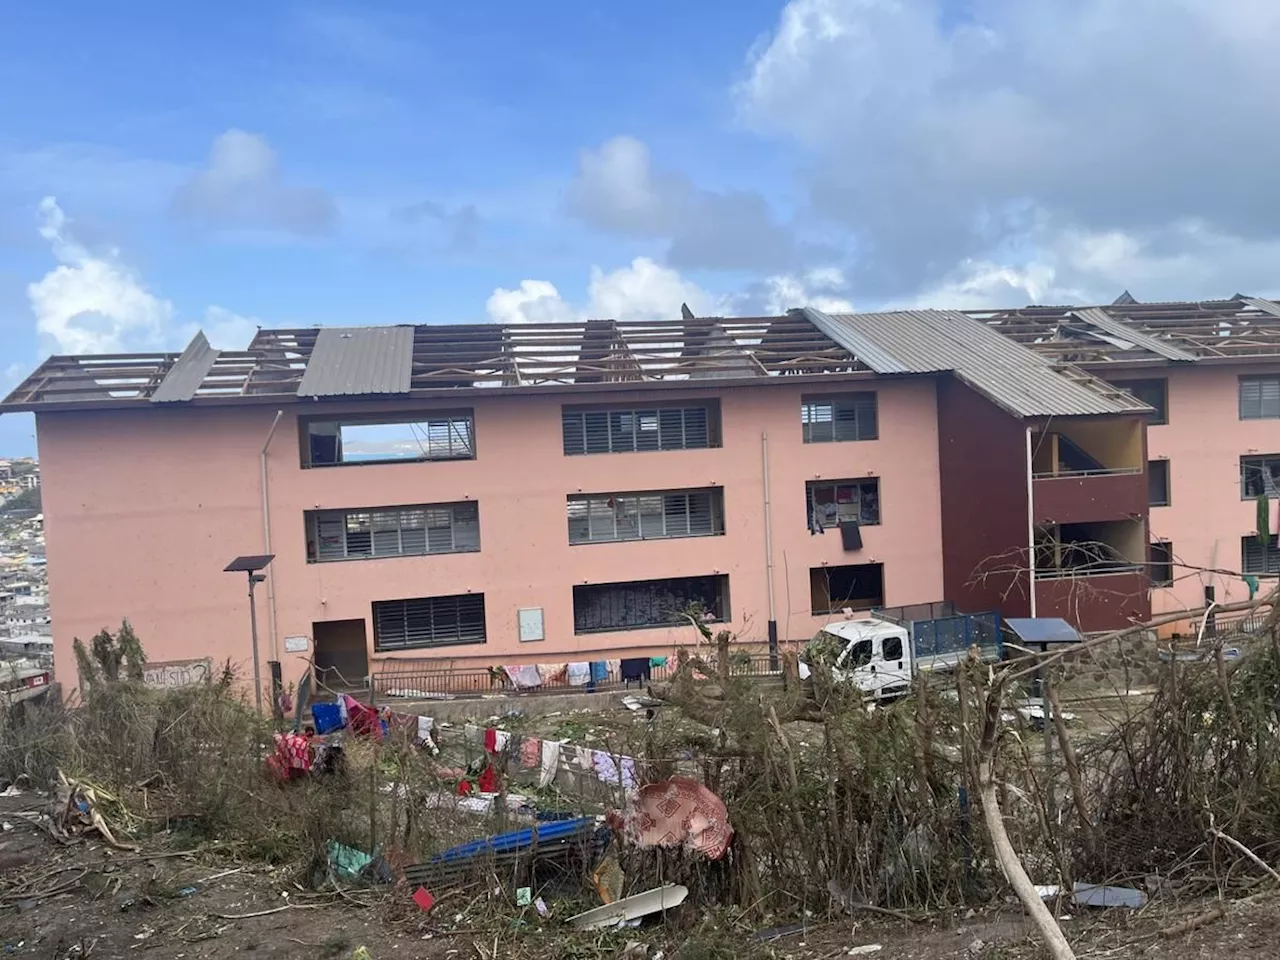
(857, 402)
(1263, 380)
(636, 520)
(811, 486)
(1270, 556)
(832, 607)
(1168, 482)
(381, 609)
(718, 583)
(370, 517)
(447, 418)
(1153, 564)
(1161, 415)
(649, 427)
(1270, 480)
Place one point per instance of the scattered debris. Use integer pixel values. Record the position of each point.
(679, 812)
(524, 896)
(1096, 895)
(423, 898)
(74, 810)
(865, 949)
(631, 908)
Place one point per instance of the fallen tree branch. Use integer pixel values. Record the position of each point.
(1194, 923)
(1232, 841)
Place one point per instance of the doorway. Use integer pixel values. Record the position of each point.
(342, 655)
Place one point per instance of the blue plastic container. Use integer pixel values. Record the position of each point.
(327, 717)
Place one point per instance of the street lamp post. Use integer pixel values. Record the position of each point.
(251, 565)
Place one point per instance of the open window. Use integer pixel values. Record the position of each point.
(327, 443)
(832, 502)
(855, 586)
(1260, 477)
(1154, 393)
(1158, 483)
(1089, 549)
(1161, 569)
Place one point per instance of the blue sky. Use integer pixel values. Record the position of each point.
(165, 167)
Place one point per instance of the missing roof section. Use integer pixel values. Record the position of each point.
(188, 372)
(359, 361)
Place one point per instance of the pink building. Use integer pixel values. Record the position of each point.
(1211, 371)
(487, 495)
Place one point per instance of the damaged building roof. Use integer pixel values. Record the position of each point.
(1025, 360)
(1131, 332)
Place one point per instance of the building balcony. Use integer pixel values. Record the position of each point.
(1089, 470)
(1089, 495)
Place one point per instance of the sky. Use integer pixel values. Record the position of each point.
(169, 167)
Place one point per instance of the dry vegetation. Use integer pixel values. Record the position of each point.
(837, 808)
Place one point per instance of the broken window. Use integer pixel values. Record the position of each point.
(1260, 477)
(1158, 483)
(1161, 568)
(393, 531)
(855, 586)
(1259, 398)
(852, 416)
(1260, 557)
(631, 431)
(1154, 393)
(832, 502)
(604, 517)
(333, 442)
(428, 622)
(648, 603)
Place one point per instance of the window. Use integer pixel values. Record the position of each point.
(1161, 566)
(393, 531)
(1154, 393)
(629, 431)
(1260, 477)
(1158, 483)
(647, 603)
(833, 419)
(858, 586)
(1259, 398)
(428, 622)
(1257, 557)
(332, 442)
(892, 648)
(832, 501)
(604, 517)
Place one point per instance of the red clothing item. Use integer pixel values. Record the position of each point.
(491, 740)
(489, 780)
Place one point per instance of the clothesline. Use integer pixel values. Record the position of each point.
(549, 756)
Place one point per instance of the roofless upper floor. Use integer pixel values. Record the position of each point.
(1029, 361)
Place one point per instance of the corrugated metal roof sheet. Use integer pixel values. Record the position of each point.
(355, 361)
(1009, 374)
(1097, 317)
(1266, 306)
(188, 372)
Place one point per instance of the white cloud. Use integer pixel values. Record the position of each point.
(617, 189)
(243, 187)
(228, 330)
(642, 290)
(93, 303)
(534, 301)
(820, 288)
(949, 142)
(90, 303)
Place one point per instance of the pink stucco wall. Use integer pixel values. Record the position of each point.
(144, 508)
(1204, 441)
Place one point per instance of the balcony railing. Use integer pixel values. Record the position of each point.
(1101, 569)
(1100, 472)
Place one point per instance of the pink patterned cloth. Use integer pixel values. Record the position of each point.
(679, 812)
(292, 756)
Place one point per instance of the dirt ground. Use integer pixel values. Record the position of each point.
(60, 902)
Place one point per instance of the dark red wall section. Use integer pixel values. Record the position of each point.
(982, 460)
(1096, 603)
(1084, 499)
